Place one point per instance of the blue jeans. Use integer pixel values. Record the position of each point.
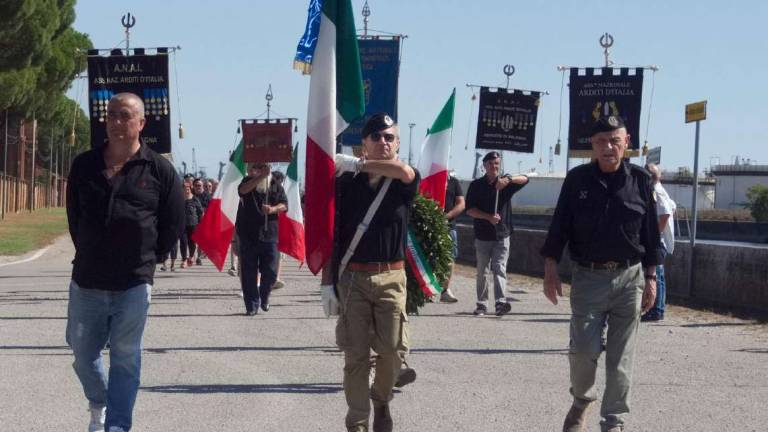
(257, 257)
(455, 245)
(661, 289)
(95, 317)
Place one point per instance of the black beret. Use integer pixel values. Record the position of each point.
(607, 124)
(377, 122)
(491, 155)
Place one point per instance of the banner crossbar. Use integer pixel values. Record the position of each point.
(654, 68)
(542, 92)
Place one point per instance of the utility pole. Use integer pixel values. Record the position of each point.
(32, 170)
(410, 143)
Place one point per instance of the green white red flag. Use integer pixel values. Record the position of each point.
(433, 162)
(214, 233)
(291, 223)
(329, 52)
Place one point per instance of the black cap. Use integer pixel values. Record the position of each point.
(607, 124)
(491, 155)
(377, 122)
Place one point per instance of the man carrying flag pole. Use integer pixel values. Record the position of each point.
(371, 278)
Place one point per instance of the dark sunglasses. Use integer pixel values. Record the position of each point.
(388, 137)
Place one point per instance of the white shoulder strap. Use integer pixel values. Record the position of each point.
(363, 227)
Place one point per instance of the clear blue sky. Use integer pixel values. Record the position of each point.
(232, 50)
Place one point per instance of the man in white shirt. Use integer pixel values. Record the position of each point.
(665, 208)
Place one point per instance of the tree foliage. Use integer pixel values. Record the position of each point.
(40, 56)
(40, 53)
(757, 196)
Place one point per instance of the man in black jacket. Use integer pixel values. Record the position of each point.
(261, 200)
(606, 214)
(124, 207)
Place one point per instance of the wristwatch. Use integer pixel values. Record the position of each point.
(650, 277)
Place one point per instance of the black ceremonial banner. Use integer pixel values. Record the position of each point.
(380, 64)
(593, 96)
(507, 120)
(143, 75)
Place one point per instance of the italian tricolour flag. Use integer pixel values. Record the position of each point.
(215, 231)
(329, 52)
(433, 166)
(433, 163)
(291, 223)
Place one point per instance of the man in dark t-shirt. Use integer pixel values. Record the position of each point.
(371, 287)
(489, 203)
(454, 205)
(260, 202)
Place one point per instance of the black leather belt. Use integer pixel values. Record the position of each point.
(609, 265)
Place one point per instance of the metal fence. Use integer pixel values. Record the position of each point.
(17, 196)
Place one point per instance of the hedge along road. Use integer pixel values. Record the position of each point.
(207, 367)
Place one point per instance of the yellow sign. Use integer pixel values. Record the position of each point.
(696, 111)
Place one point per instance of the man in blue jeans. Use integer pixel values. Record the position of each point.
(124, 209)
(665, 208)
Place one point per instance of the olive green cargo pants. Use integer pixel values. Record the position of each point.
(597, 297)
(372, 316)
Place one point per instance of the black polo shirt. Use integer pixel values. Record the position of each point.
(452, 190)
(481, 195)
(605, 217)
(385, 239)
(250, 219)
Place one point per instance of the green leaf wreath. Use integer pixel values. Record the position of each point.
(430, 228)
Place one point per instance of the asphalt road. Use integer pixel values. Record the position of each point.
(209, 368)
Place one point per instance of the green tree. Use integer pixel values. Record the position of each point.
(40, 54)
(757, 196)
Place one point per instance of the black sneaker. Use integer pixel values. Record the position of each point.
(265, 307)
(503, 308)
(480, 310)
(251, 312)
(406, 376)
(198, 262)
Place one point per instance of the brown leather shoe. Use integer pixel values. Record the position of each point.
(382, 420)
(358, 428)
(574, 420)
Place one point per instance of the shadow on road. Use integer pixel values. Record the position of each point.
(489, 351)
(319, 349)
(310, 388)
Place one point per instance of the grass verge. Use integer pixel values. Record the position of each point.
(23, 232)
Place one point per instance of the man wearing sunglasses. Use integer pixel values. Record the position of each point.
(371, 289)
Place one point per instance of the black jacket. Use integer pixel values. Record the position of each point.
(605, 217)
(120, 225)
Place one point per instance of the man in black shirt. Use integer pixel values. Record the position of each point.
(607, 215)
(125, 208)
(454, 205)
(256, 224)
(371, 288)
(489, 203)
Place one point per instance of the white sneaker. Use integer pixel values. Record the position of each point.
(116, 429)
(278, 284)
(98, 415)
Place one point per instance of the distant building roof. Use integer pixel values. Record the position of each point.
(739, 170)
